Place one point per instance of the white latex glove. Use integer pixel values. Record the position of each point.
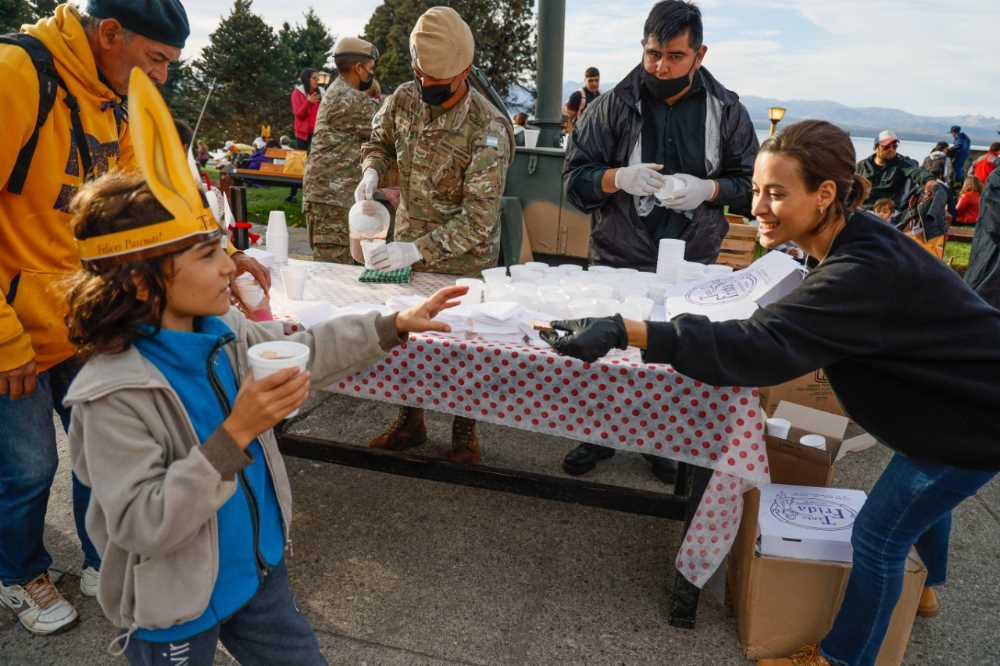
(640, 179)
(690, 192)
(391, 256)
(366, 188)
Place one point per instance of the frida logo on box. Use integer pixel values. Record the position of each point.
(820, 377)
(813, 512)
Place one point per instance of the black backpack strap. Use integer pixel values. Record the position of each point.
(48, 81)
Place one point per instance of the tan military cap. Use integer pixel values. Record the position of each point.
(441, 43)
(354, 46)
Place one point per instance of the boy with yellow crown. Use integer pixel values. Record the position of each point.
(190, 504)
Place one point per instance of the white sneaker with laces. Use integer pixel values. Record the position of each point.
(39, 606)
(90, 579)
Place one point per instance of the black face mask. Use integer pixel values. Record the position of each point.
(435, 95)
(666, 88)
(365, 85)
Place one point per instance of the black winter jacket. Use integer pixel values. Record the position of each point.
(983, 274)
(910, 351)
(605, 137)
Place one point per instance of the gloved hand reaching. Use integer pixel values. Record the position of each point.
(390, 256)
(640, 179)
(690, 192)
(366, 188)
(587, 339)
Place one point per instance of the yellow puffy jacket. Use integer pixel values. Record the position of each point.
(37, 247)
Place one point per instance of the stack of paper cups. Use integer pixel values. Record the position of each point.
(669, 260)
(277, 237)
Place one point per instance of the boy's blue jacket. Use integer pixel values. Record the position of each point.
(159, 486)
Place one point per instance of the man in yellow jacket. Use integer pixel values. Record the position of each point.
(90, 56)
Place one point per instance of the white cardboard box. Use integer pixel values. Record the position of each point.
(808, 523)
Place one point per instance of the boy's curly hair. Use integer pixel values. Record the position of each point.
(111, 300)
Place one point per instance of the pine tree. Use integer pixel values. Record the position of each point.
(310, 44)
(250, 70)
(504, 32)
(13, 14)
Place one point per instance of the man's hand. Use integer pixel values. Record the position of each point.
(691, 193)
(391, 256)
(587, 339)
(366, 188)
(420, 318)
(245, 264)
(19, 382)
(640, 180)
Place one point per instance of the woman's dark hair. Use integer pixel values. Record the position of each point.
(184, 131)
(995, 147)
(941, 145)
(105, 311)
(305, 78)
(824, 152)
(670, 18)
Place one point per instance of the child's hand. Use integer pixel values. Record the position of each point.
(420, 318)
(261, 405)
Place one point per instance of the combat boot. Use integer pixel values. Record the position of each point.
(408, 431)
(464, 442)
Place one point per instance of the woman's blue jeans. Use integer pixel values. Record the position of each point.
(28, 462)
(910, 505)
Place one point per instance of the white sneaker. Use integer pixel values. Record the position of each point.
(39, 606)
(90, 579)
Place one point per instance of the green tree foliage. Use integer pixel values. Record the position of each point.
(250, 69)
(309, 44)
(15, 13)
(504, 32)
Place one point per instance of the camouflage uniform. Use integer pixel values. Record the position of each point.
(452, 170)
(342, 125)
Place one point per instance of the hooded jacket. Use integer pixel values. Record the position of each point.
(157, 488)
(605, 138)
(304, 113)
(37, 247)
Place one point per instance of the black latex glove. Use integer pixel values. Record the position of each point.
(587, 339)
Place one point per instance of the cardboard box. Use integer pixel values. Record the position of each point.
(793, 463)
(782, 604)
(812, 390)
(807, 523)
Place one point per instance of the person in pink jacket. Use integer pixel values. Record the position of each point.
(305, 105)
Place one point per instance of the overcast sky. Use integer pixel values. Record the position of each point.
(923, 56)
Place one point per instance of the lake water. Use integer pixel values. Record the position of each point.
(917, 150)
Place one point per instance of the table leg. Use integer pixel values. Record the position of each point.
(684, 599)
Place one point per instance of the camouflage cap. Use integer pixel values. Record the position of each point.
(441, 43)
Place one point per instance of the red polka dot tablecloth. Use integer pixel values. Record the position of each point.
(618, 402)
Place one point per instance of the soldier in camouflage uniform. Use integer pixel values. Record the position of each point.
(343, 124)
(452, 148)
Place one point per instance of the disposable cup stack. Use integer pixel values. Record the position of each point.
(669, 260)
(277, 236)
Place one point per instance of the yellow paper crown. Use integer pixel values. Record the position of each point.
(161, 159)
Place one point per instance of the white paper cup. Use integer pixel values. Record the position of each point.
(537, 265)
(499, 292)
(525, 273)
(779, 428)
(569, 268)
(475, 293)
(600, 269)
(498, 274)
(813, 441)
(294, 279)
(251, 293)
(638, 308)
(290, 355)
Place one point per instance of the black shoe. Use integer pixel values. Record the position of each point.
(584, 458)
(663, 469)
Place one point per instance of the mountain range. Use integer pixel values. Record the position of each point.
(864, 122)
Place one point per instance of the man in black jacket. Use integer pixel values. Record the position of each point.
(893, 176)
(668, 116)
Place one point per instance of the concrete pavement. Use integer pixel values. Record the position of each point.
(392, 570)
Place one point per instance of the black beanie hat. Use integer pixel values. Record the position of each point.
(163, 21)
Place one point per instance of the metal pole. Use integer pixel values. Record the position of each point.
(551, 38)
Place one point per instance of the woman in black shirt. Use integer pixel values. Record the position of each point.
(910, 350)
